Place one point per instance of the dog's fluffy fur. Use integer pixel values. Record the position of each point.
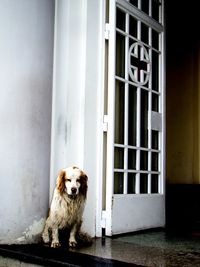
(67, 207)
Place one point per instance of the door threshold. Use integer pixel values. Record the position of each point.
(39, 254)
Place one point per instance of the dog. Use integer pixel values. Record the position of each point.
(67, 207)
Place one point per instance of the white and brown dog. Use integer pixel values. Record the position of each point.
(67, 206)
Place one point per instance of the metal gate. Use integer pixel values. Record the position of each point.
(135, 164)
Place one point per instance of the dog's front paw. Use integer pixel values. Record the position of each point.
(55, 244)
(72, 243)
(45, 239)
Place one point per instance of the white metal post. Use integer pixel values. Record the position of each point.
(111, 110)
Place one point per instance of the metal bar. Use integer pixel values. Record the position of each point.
(136, 171)
(126, 107)
(135, 84)
(140, 15)
(163, 109)
(136, 40)
(149, 117)
(111, 109)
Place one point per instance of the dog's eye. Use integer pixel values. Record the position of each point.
(68, 180)
(78, 180)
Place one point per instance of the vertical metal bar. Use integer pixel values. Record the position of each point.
(111, 109)
(150, 8)
(163, 106)
(138, 122)
(100, 186)
(139, 4)
(126, 107)
(161, 13)
(149, 116)
(138, 141)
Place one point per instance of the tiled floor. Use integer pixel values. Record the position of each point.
(149, 249)
(141, 249)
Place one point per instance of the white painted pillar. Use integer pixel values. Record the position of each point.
(78, 95)
(68, 86)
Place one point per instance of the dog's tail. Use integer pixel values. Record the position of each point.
(83, 239)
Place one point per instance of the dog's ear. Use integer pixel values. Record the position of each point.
(61, 181)
(84, 186)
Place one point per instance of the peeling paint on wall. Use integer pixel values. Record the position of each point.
(32, 233)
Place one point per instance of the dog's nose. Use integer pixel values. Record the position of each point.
(74, 190)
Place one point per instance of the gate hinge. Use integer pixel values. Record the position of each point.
(103, 219)
(105, 123)
(107, 31)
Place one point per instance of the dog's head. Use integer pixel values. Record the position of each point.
(72, 181)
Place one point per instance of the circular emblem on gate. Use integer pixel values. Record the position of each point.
(139, 64)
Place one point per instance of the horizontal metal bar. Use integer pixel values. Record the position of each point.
(137, 148)
(136, 85)
(140, 15)
(137, 171)
(125, 34)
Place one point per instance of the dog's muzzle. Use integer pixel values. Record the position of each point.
(74, 190)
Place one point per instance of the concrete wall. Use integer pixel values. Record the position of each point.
(183, 123)
(26, 52)
(183, 94)
(77, 95)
